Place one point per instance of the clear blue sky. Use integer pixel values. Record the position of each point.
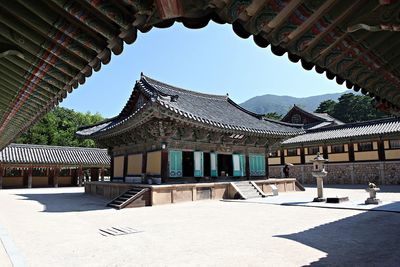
(210, 60)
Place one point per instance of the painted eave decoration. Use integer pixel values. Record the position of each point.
(49, 47)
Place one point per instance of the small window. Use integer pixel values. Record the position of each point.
(394, 144)
(10, 172)
(273, 154)
(365, 146)
(292, 152)
(337, 148)
(313, 150)
(39, 172)
(65, 172)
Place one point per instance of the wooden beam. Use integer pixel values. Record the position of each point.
(283, 14)
(310, 21)
(338, 20)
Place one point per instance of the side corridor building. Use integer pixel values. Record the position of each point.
(358, 153)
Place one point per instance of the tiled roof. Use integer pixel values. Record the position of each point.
(375, 127)
(327, 117)
(324, 119)
(213, 110)
(54, 155)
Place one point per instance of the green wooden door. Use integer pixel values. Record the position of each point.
(238, 164)
(175, 163)
(198, 164)
(214, 164)
(257, 164)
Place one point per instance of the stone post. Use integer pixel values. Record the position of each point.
(55, 176)
(30, 177)
(382, 172)
(320, 187)
(1, 176)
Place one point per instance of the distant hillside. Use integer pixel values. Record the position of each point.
(281, 104)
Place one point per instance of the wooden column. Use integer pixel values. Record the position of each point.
(144, 162)
(302, 156)
(112, 168)
(56, 171)
(102, 174)
(282, 156)
(325, 151)
(381, 150)
(125, 167)
(164, 165)
(30, 177)
(247, 167)
(266, 164)
(1, 176)
(351, 152)
(80, 176)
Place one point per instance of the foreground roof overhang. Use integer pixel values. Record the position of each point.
(48, 48)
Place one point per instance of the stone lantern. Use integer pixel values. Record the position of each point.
(319, 173)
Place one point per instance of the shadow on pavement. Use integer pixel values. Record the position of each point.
(366, 239)
(67, 202)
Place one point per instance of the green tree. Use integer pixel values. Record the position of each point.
(350, 108)
(273, 115)
(58, 128)
(326, 106)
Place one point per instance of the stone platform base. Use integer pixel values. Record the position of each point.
(374, 201)
(174, 193)
(336, 199)
(318, 199)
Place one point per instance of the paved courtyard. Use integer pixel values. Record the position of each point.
(60, 227)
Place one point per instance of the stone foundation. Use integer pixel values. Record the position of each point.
(378, 172)
(175, 193)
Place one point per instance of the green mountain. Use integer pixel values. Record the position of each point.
(281, 104)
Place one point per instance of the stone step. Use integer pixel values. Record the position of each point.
(114, 205)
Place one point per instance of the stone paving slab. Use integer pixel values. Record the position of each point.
(4, 259)
(60, 227)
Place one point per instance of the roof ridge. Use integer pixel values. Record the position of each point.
(53, 146)
(354, 124)
(181, 90)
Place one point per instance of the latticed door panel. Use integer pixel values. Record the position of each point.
(257, 165)
(214, 164)
(175, 163)
(198, 164)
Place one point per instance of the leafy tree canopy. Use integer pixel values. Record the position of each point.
(273, 115)
(58, 128)
(350, 108)
(326, 106)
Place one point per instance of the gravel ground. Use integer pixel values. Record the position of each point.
(60, 227)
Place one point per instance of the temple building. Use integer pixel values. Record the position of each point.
(25, 165)
(358, 153)
(185, 136)
(311, 120)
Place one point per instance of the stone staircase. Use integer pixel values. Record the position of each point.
(248, 189)
(127, 198)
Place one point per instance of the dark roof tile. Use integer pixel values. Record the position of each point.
(53, 155)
